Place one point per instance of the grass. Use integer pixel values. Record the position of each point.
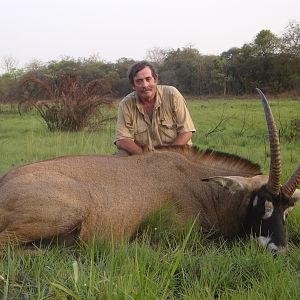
(25, 139)
(243, 131)
(164, 261)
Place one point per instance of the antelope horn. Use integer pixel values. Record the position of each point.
(290, 186)
(273, 185)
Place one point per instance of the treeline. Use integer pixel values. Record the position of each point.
(270, 62)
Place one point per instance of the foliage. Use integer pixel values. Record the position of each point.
(269, 61)
(266, 43)
(291, 39)
(63, 101)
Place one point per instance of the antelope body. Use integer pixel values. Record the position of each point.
(104, 196)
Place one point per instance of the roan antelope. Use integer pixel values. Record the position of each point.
(85, 196)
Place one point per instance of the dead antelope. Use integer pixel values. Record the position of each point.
(103, 196)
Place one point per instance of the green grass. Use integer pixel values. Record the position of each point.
(26, 138)
(164, 261)
(243, 129)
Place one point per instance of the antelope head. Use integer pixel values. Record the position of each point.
(270, 202)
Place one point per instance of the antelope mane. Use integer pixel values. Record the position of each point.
(218, 161)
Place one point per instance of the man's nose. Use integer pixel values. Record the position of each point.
(144, 83)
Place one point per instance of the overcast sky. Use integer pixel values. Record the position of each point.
(50, 29)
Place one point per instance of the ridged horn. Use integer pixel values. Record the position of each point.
(273, 185)
(290, 186)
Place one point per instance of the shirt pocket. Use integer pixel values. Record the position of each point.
(168, 131)
(141, 135)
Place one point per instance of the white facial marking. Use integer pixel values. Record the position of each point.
(255, 201)
(272, 247)
(269, 208)
(263, 241)
(286, 212)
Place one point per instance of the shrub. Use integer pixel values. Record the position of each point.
(63, 101)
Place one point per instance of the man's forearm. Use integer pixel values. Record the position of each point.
(130, 146)
(183, 138)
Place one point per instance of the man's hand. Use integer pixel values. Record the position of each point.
(130, 146)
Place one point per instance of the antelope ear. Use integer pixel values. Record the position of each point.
(238, 183)
(296, 196)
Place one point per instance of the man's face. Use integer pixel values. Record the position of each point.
(145, 85)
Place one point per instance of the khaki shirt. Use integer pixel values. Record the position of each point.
(170, 118)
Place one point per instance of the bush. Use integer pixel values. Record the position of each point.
(63, 101)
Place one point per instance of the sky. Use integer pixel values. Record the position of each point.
(46, 30)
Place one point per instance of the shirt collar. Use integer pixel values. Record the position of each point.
(158, 101)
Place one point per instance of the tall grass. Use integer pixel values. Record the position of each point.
(164, 261)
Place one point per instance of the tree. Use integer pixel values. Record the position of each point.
(66, 65)
(35, 65)
(291, 39)
(10, 79)
(63, 101)
(266, 43)
(183, 66)
(9, 64)
(120, 83)
(157, 55)
(232, 62)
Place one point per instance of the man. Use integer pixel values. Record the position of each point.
(152, 115)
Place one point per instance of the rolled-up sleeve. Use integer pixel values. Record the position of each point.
(182, 114)
(124, 127)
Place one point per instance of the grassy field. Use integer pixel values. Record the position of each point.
(163, 262)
